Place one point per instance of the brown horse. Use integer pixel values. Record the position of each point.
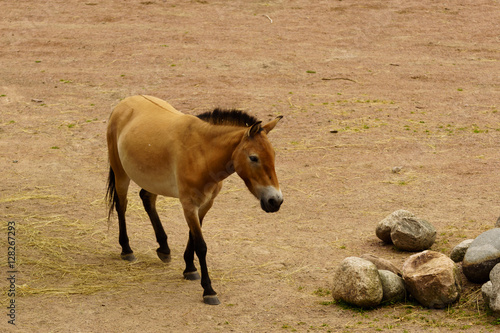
(173, 154)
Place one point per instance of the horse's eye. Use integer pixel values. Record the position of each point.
(253, 158)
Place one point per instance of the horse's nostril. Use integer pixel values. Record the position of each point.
(275, 203)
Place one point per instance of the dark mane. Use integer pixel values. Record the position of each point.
(228, 117)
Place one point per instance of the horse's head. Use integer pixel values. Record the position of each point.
(254, 162)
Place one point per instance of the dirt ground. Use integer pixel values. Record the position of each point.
(364, 86)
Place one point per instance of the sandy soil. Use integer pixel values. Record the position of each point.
(364, 86)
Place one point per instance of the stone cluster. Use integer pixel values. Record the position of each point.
(431, 278)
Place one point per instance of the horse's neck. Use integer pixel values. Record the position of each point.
(221, 141)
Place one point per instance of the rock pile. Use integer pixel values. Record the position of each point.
(431, 278)
(480, 259)
(482, 255)
(406, 231)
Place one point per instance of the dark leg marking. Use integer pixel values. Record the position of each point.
(190, 273)
(149, 202)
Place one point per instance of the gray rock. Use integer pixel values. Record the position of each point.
(382, 264)
(491, 291)
(357, 281)
(432, 278)
(487, 292)
(494, 297)
(458, 252)
(413, 234)
(384, 227)
(483, 254)
(495, 275)
(392, 286)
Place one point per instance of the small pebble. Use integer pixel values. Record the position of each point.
(396, 169)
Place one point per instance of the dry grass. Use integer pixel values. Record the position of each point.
(57, 255)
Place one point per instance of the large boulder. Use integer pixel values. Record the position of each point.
(357, 281)
(481, 256)
(392, 286)
(432, 279)
(413, 234)
(458, 252)
(382, 264)
(384, 227)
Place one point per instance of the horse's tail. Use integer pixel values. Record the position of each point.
(111, 196)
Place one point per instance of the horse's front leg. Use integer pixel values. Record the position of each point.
(200, 248)
(190, 273)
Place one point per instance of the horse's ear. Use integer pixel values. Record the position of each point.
(269, 126)
(256, 128)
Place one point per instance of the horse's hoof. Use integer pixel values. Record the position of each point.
(211, 300)
(164, 257)
(191, 276)
(128, 257)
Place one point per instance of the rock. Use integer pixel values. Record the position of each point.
(357, 281)
(412, 234)
(487, 292)
(481, 256)
(392, 286)
(495, 275)
(397, 169)
(384, 227)
(491, 290)
(458, 252)
(432, 279)
(382, 264)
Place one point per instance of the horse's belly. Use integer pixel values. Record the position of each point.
(151, 171)
(158, 183)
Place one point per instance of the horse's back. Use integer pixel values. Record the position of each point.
(143, 105)
(151, 103)
(143, 136)
(145, 113)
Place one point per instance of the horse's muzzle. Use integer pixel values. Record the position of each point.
(271, 205)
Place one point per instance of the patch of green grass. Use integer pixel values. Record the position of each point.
(346, 306)
(322, 292)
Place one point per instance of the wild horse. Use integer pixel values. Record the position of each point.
(173, 154)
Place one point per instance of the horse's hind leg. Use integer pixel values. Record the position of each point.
(149, 201)
(119, 196)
